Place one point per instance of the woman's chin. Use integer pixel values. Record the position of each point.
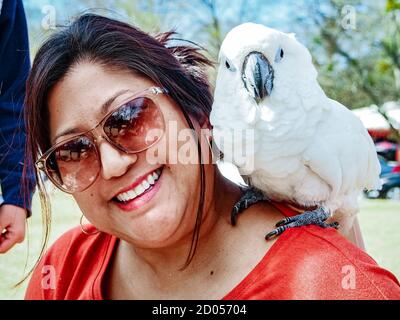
(154, 228)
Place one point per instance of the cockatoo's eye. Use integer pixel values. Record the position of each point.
(279, 55)
(229, 66)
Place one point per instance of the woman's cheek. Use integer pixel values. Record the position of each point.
(165, 218)
(175, 215)
(86, 202)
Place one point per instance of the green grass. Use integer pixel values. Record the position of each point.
(379, 220)
(66, 214)
(380, 224)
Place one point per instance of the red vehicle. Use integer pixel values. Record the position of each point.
(389, 150)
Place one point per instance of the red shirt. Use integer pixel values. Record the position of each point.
(304, 263)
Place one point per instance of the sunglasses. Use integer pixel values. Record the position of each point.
(73, 165)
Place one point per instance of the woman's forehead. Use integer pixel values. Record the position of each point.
(78, 98)
(89, 84)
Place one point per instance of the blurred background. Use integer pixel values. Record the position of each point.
(355, 47)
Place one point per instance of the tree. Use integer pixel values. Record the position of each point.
(357, 66)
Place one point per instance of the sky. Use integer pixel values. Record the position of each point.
(275, 14)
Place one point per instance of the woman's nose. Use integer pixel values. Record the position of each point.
(114, 163)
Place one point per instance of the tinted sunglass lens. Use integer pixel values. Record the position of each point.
(74, 165)
(136, 125)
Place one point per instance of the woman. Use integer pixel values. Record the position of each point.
(104, 100)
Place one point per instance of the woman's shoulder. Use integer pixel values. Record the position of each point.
(316, 263)
(73, 259)
(341, 270)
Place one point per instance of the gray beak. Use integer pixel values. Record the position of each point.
(257, 75)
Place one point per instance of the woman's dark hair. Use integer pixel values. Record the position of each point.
(178, 68)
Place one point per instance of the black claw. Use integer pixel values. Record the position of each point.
(334, 225)
(283, 222)
(328, 225)
(250, 196)
(234, 214)
(271, 234)
(314, 217)
(276, 232)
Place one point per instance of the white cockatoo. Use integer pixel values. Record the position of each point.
(304, 148)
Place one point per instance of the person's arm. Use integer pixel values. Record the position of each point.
(14, 68)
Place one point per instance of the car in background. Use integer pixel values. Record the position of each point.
(390, 179)
(387, 149)
(388, 166)
(390, 188)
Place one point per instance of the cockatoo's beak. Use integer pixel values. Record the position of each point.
(257, 75)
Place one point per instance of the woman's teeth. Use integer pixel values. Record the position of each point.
(140, 188)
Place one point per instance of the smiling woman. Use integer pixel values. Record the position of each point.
(101, 98)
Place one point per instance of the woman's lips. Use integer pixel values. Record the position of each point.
(137, 182)
(142, 199)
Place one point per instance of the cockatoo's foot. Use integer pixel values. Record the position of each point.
(250, 196)
(315, 217)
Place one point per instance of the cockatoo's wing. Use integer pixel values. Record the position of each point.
(342, 153)
(355, 149)
(324, 163)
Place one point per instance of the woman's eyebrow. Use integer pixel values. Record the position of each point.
(104, 109)
(109, 101)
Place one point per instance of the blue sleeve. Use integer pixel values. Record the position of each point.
(14, 69)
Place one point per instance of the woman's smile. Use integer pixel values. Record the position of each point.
(140, 192)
